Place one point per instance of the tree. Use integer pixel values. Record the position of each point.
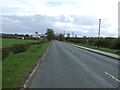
(68, 35)
(50, 34)
(26, 35)
(116, 44)
(61, 37)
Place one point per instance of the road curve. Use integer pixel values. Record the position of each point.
(66, 66)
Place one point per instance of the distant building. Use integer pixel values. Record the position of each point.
(36, 35)
(43, 37)
(20, 38)
(23, 38)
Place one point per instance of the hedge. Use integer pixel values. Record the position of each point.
(112, 43)
(17, 48)
(116, 44)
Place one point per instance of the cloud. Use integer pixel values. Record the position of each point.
(99, 8)
(39, 23)
(79, 16)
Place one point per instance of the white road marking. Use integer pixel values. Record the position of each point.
(112, 77)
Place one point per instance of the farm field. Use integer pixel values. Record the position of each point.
(10, 42)
(17, 67)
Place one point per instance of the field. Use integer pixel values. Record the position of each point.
(10, 42)
(16, 67)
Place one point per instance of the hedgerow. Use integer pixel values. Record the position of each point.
(112, 43)
(17, 48)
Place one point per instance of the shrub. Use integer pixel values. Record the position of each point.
(91, 41)
(20, 47)
(6, 52)
(83, 41)
(16, 48)
(107, 43)
(116, 44)
(113, 43)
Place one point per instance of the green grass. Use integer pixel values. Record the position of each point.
(0, 65)
(10, 42)
(0, 73)
(0, 43)
(16, 67)
(101, 48)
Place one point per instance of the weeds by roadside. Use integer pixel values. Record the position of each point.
(16, 67)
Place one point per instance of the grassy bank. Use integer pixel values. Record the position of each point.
(0, 42)
(16, 67)
(10, 42)
(94, 47)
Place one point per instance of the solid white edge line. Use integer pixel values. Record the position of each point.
(112, 77)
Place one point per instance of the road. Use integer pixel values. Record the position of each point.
(66, 66)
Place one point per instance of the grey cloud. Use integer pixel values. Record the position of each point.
(79, 20)
(85, 20)
(39, 23)
(27, 24)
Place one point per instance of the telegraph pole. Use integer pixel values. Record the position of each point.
(64, 35)
(99, 32)
(99, 28)
(73, 34)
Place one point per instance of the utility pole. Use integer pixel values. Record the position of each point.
(99, 33)
(64, 36)
(73, 34)
(64, 33)
(99, 28)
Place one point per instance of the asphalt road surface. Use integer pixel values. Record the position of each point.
(66, 66)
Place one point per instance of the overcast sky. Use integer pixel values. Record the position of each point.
(78, 16)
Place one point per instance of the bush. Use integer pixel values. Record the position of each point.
(99, 42)
(91, 41)
(16, 48)
(20, 47)
(83, 41)
(116, 44)
(107, 43)
(113, 43)
(6, 52)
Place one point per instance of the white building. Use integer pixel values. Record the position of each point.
(36, 35)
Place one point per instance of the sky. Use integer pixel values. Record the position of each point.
(80, 17)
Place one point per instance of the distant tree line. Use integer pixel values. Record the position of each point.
(113, 43)
(17, 36)
(52, 36)
(49, 35)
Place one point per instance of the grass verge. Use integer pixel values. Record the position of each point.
(94, 47)
(15, 68)
(0, 42)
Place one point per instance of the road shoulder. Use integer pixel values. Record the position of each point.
(98, 51)
(28, 81)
